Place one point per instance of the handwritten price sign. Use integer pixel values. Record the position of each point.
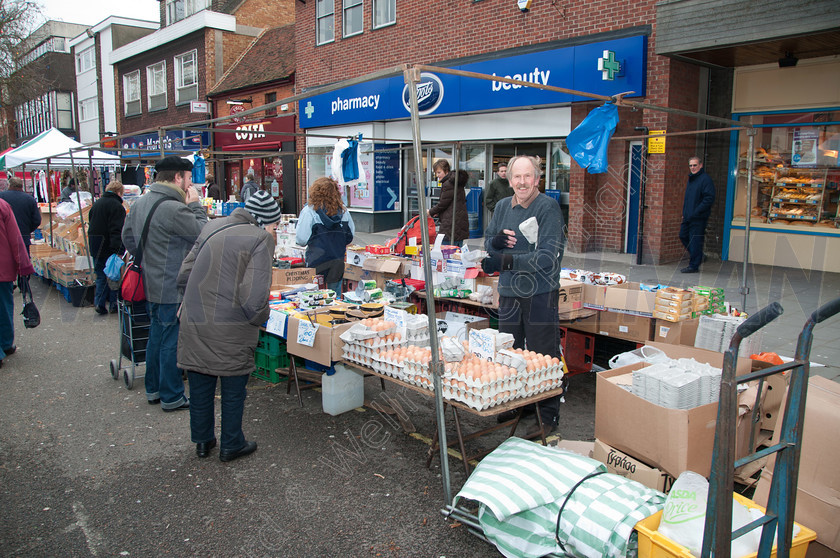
(483, 344)
(306, 333)
(399, 317)
(276, 323)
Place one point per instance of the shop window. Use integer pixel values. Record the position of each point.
(384, 13)
(131, 93)
(186, 77)
(176, 10)
(353, 17)
(325, 21)
(796, 172)
(64, 110)
(156, 85)
(270, 98)
(84, 60)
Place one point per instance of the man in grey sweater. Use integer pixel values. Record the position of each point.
(173, 228)
(529, 272)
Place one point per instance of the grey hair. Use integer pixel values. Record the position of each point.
(535, 162)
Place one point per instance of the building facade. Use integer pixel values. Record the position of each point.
(163, 78)
(488, 123)
(95, 91)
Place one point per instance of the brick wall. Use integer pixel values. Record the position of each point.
(266, 13)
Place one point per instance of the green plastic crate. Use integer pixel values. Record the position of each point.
(271, 376)
(271, 344)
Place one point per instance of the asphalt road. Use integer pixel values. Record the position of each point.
(88, 468)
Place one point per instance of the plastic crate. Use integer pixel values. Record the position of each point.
(272, 344)
(271, 376)
(653, 544)
(267, 361)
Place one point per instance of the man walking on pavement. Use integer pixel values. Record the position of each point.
(175, 218)
(697, 205)
(25, 208)
(498, 189)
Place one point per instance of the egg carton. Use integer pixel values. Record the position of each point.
(539, 386)
(359, 359)
(475, 400)
(387, 342)
(491, 387)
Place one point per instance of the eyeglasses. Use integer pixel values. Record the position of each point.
(693, 165)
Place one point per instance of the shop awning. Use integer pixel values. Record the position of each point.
(56, 147)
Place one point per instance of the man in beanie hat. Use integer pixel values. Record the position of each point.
(176, 218)
(226, 279)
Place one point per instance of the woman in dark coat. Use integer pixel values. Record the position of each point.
(443, 209)
(106, 219)
(226, 279)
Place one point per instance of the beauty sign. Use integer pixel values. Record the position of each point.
(306, 333)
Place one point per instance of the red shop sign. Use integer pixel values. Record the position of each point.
(253, 135)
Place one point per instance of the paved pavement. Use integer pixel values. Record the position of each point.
(799, 292)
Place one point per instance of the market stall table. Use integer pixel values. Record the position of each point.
(515, 404)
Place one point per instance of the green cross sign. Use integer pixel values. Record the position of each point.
(309, 109)
(608, 65)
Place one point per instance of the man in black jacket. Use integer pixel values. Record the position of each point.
(25, 208)
(697, 205)
(106, 216)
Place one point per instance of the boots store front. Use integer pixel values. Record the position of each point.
(794, 203)
(485, 122)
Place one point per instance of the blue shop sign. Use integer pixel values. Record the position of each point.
(604, 68)
(149, 144)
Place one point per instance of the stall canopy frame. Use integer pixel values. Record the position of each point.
(411, 75)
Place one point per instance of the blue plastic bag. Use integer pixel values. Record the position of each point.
(113, 267)
(588, 142)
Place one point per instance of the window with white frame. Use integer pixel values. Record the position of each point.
(384, 13)
(131, 93)
(353, 17)
(176, 10)
(186, 77)
(84, 60)
(64, 111)
(325, 21)
(156, 85)
(87, 109)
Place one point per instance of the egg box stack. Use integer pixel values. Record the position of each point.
(673, 304)
(678, 384)
(367, 339)
(539, 372)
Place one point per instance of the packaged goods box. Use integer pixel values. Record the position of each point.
(818, 491)
(672, 440)
(620, 463)
(459, 325)
(583, 322)
(326, 347)
(571, 296)
(628, 297)
(294, 276)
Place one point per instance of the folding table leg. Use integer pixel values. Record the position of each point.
(433, 448)
(293, 370)
(461, 441)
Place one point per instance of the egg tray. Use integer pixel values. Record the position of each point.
(359, 332)
(477, 401)
(546, 384)
(379, 343)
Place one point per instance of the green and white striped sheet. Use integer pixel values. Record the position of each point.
(521, 486)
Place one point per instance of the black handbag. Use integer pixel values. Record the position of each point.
(31, 316)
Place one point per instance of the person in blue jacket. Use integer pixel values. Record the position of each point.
(325, 227)
(697, 205)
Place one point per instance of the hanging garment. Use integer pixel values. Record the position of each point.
(337, 166)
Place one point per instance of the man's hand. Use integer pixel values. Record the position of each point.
(191, 195)
(505, 239)
(497, 262)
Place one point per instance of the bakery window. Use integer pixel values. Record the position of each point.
(795, 172)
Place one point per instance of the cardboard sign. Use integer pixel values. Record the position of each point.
(483, 344)
(399, 317)
(276, 323)
(306, 333)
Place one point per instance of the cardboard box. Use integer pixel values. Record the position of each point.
(670, 317)
(294, 276)
(586, 324)
(575, 315)
(817, 550)
(581, 448)
(818, 491)
(672, 440)
(625, 326)
(620, 463)
(629, 298)
(326, 349)
(680, 333)
(571, 296)
(594, 296)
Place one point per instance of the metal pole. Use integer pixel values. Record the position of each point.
(412, 78)
(456, 155)
(745, 290)
(91, 184)
(81, 213)
(49, 202)
(642, 195)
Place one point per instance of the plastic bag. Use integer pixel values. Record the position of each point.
(589, 141)
(113, 267)
(66, 209)
(644, 354)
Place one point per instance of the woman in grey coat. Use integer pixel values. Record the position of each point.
(226, 277)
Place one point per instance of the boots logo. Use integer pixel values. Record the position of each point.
(429, 94)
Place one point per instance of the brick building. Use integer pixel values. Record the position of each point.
(489, 123)
(261, 142)
(163, 78)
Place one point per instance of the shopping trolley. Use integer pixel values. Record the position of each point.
(134, 336)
